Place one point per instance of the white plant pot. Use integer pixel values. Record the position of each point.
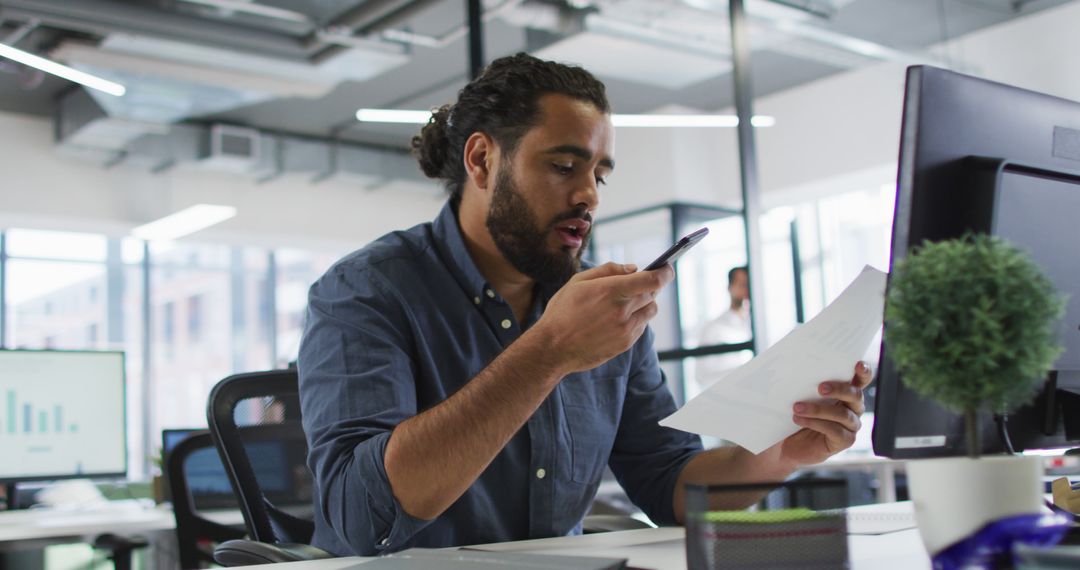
(956, 496)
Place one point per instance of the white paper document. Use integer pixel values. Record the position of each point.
(752, 405)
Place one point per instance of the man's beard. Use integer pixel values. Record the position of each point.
(522, 241)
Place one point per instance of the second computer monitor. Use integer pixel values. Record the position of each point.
(985, 157)
(62, 415)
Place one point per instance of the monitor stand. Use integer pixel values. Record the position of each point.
(20, 496)
(11, 496)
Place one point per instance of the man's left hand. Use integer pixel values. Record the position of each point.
(829, 424)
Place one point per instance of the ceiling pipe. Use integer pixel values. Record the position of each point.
(803, 30)
(823, 10)
(847, 43)
(261, 10)
(20, 33)
(103, 17)
(439, 42)
(368, 19)
(474, 15)
(657, 37)
(365, 13)
(357, 17)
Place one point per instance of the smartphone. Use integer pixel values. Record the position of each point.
(676, 251)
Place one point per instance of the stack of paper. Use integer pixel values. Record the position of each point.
(752, 405)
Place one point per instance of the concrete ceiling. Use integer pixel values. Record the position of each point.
(429, 76)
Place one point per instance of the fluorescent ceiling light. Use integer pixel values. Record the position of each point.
(60, 70)
(401, 116)
(393, 116)
(253, 8)
(184, 222)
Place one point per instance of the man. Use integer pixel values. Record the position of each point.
(732, 326)
(464, 382)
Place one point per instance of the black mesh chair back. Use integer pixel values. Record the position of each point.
(255, 422)
(198, 484)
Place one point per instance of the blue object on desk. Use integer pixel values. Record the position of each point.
(992, 545)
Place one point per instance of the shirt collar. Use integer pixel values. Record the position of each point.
(451, 246)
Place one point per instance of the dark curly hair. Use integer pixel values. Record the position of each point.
(504, 103)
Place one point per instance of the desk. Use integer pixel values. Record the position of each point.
(663, 548)
(119, 517)
(34, 529)
(883, 469)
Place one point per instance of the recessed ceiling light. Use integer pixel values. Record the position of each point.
(184, 222)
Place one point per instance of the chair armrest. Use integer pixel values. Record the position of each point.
(249, 553)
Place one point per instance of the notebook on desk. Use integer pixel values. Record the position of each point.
(429, 559)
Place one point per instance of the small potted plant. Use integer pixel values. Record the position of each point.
(970, 323)
(157, 483)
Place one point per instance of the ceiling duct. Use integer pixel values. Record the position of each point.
(231, 149)
(177, 66)
(105, 17)
(84, 130)
(677, 43)
(169, 81)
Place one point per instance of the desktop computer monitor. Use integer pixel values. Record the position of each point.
(62, 415)
(985, 157)
(209, 484)
(206, 478)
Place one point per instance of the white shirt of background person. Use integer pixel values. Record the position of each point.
(732, 326)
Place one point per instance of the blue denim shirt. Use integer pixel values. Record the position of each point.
(397, 327)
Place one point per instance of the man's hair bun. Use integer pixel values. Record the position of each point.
(431, 146)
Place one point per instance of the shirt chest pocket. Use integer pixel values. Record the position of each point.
(593, 406)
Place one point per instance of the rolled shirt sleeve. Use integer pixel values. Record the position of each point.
(356, 386)
(648, 458)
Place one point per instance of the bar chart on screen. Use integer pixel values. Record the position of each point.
(62, 414)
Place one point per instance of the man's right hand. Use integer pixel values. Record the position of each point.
(600, 313)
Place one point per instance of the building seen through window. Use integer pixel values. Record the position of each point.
(212, 312)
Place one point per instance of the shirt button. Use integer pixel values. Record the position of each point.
(540, 473)
(506, 323)
(476, 300)
(490, 293)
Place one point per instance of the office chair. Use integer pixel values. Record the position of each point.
(255, 424)
(119, 548)
(195, 457)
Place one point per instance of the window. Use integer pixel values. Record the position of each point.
(296, 270)
(253, 314)
(194, 316)
(213, 310)
(48, 278)
(184, 367)
(126, 259)
(838, 235)
(168, 322)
